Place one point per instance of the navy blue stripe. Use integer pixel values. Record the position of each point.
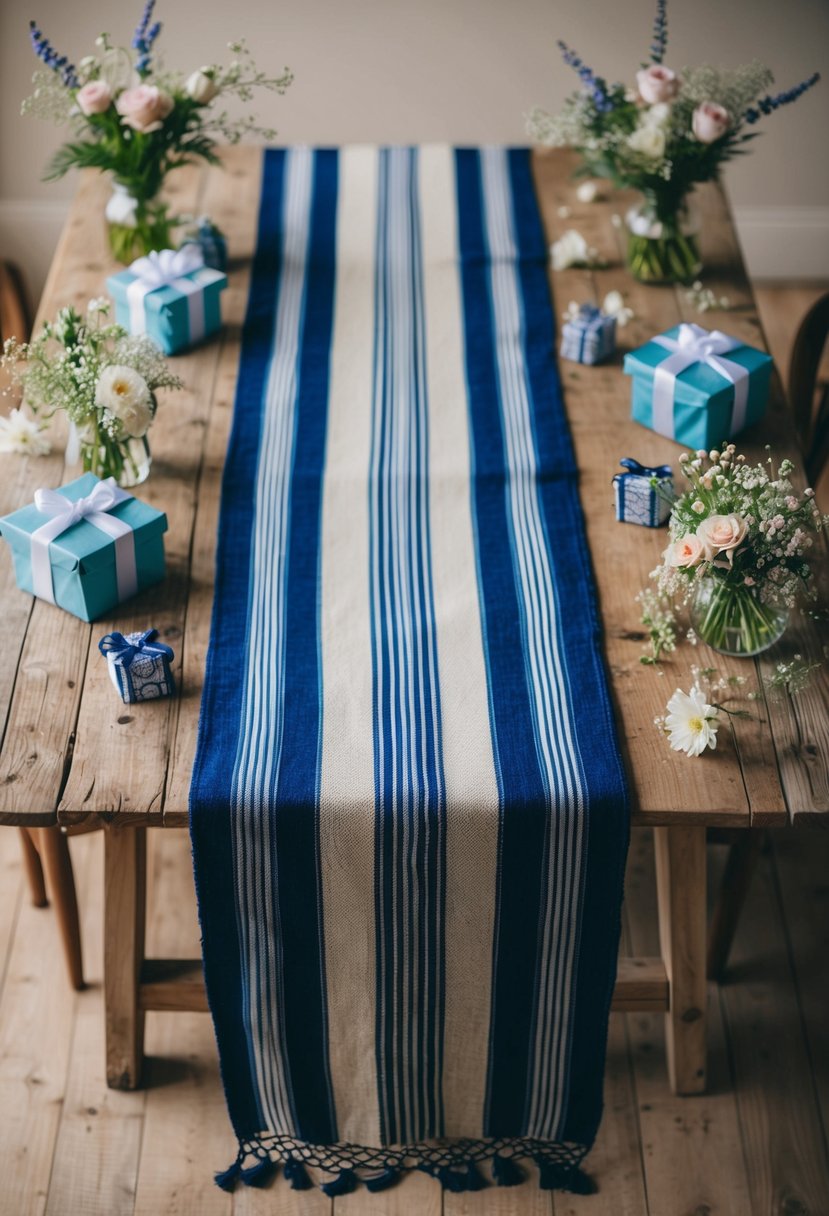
(590, 709)
(523, 798)
(296, 801)
(408, 1077)
(221, 709)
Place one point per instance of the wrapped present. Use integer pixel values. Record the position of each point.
(139, 666)
(210, 240)
(697, 386)
(171, 295)
(87, 546)
(588, 335)
(637, 499)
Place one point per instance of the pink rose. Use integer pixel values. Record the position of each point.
(710, 122)
(94, 97)
(687, 551)
(144, 108)
(722, 533)
(657, 84)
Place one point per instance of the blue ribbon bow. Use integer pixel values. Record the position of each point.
(117, 644)
(635, 469)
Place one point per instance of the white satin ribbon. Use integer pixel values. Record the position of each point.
(65, 514)
(693, 344)
(167, 268)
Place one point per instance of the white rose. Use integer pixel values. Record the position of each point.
(201, 86)
(126, 395)
(649, 141)
(571, 249)
(657, 115)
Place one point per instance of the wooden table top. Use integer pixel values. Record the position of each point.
(71, 751)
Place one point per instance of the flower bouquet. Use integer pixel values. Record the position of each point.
(105, 380)
(137, 121)
(661, 137)
(740, 538)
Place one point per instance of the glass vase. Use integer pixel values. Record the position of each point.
(127, 460)
(732, 619)
(662, 242)
(135, 226)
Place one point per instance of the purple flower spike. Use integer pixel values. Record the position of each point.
(767, 105)
(593, 84)
(47, 54)
(660, 32)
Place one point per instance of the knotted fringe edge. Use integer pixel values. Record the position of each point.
(459, 1177)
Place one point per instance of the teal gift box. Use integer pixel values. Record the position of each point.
(697, 386)
(171, 296)
(82, 567)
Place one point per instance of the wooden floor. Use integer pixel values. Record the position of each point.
(754, 1145)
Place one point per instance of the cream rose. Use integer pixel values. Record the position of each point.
(144, 108)
(657, 116)
(710, 122)
(686, 552)
(650, 141)
(656, 84)
(94, 97)
(126, 394)
(722, 533)
(201, 86)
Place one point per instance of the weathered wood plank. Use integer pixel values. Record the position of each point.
(37, 1014)
(187, 1134)
(665, 789)
(783, 1138)
(691, 1147)
(96, 1158)
(233, 204)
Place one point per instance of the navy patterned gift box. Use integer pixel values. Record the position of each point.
(637, 499)
(139, 667)
(589, 336)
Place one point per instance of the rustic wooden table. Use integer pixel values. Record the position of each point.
(73, 754)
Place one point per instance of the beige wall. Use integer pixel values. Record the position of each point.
(455, 70)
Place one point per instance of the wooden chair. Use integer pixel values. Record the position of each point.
(809, 403)
(45, 850)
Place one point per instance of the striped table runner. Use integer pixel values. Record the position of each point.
(408, 811)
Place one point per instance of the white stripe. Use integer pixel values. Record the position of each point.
(347, 797)
(469, 763)
(262, 725)
(547, 675)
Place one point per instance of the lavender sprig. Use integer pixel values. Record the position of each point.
(593, 83)
(767, 105)
(660, 32)
(144, 37)
(44, 50)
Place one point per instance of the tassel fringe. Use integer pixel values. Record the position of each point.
(297, 1175)
(260, 1174)
(382, 1182)
(506, 1171)
(345, 1182)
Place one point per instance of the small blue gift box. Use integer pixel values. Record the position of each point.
(637, 499)
(87, 546)
(211, 241)
(589, 336)
(171, 296)
(139, 666)
(697, 386)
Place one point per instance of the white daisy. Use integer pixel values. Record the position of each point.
(691, 723)
(19, 433)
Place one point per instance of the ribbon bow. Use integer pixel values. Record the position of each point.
(693, 344)
(635, 469)
(94, 508)
(168, 268)
(126, 648)
(162, 267)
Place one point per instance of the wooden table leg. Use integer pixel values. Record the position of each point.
(680, 882)
(743, 856)
(125, 874)
(54, 853)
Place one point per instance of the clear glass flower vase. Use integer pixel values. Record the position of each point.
(662, 243)
(127, 460)
(136, 227)
(732, 619)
